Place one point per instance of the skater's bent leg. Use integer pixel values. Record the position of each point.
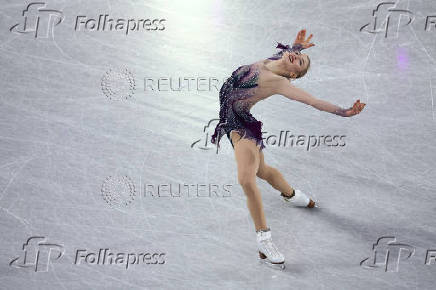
(273, 177)
(247, 159)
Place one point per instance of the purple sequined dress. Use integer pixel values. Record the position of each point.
(236, 98)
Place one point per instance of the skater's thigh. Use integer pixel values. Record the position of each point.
(247, 159)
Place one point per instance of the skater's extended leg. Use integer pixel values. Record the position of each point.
(276, 180)
(247, 159)
(273, 177)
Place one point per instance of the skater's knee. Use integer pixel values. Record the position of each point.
(247, 182)
(262, 173)
(267, 172)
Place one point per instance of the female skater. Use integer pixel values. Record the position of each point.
(248, 85)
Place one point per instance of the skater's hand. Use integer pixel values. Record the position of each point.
(355, 109)
(305, 43)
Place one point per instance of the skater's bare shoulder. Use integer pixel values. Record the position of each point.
(283, 86)
(269, 79)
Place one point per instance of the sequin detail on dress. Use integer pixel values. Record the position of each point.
(235, 102)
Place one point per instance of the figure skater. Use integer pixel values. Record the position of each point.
(248, 85)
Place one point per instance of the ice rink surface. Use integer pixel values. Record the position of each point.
(108, 179)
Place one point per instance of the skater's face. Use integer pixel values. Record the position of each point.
(296, 64)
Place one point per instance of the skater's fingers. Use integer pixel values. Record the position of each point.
(360, 108)
(310, 36)
(356, 109)
(299, 34)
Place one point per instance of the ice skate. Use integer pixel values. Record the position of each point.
(268, 252)
(299, 199)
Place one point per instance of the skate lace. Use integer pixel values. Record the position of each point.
(270, 248)
(288, 198)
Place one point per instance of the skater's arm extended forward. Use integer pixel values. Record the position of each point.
(291, 92)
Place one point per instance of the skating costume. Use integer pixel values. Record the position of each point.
(235, 101)
(236, 98)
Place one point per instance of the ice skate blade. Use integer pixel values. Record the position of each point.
(272, 265)
(263, 259)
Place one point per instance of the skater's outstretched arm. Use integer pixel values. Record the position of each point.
(291, 92)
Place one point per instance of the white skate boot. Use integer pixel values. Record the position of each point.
(299, 199)
(268, 252)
